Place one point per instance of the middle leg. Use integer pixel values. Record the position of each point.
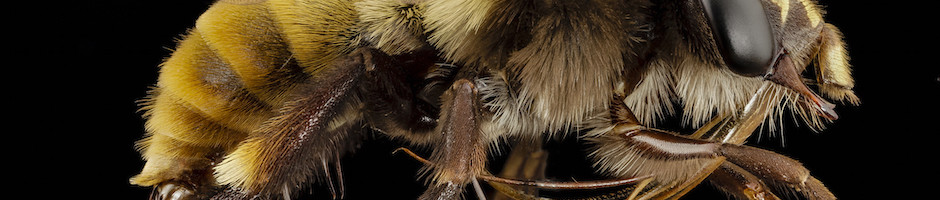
(460, 153)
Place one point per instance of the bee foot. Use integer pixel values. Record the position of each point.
(172, 191)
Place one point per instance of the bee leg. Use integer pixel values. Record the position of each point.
(628, 149)
(510, 188)
(527, 161)
(460, 152)
(295, 147)
(776, 170)
(674, 162)
(740, 183)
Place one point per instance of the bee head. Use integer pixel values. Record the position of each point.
(746, 43)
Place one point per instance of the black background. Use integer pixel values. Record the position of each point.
(84, 64)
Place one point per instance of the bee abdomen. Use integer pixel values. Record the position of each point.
(181, 141)
(250, 43)
(228, 76)
(199, 78)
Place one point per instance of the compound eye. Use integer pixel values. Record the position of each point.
(743, 35)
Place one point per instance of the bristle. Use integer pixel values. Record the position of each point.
(707, 91)
(834, 71)
(508, 116)
(452, 32)
(563, 81)
(774, 99)
(652, 99)
(617, 157)
(392, 26)
(562, 64)
(783, 101)
(316, 38)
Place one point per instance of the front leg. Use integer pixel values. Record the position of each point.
(739, 183)
(459, 153)
(675, 163)
(678, 163)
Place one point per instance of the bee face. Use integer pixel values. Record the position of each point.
(696, 60)
(266, 96)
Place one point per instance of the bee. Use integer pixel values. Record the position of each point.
(262, 98)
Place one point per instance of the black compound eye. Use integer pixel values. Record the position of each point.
(743, 35)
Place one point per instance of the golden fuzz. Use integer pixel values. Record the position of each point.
(539, 68)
